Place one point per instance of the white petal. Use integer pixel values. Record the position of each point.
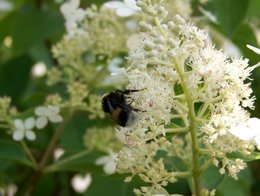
(58, 152)
(41, 122)
(102, 160)
(80, 183)
(30, 135)
(53, 110)
(132, 4)
(74, 3)
(41, 110)
(18, 135)
(254, 123)
(55, 118)
(29, 123)
(110, 167)
(257, 140)
(65, 9)
(114, 5)
(80, 14)
(18, 124)
(254, 49)
(243, 132)
(125, 12)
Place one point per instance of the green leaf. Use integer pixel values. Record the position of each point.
(14, 77)
(211, 178)
(72, 136)
(40, 52)
(256, 155)
(110, 186)
(247, 158)
(29, 26)
(13, 152)
(253, 9)
(46, 185)
(229, 13)
(240, 187)
(245, 35)
(81, 164)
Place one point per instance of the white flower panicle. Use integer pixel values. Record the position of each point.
(182, 78)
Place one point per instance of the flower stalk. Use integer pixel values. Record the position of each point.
(192, 128)
(50, 148)
(29, 154)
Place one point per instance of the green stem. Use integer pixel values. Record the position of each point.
(5, 126)
(50, 148)
(29, 154)
(205, 151)
(182, 174)
(55, 166)
(158, 24)
(192, 125)
(203, 109)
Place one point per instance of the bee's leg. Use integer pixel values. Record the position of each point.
(126, 92)
(137, 110)
(130, 102)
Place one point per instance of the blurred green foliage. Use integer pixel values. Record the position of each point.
(34, 26)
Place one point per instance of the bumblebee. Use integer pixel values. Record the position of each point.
(116, 104)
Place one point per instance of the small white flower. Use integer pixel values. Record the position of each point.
(249, 130)
(73, 14)
(81, 183)
(123, 9)
(50, 113)
(5, 5)
(39, 69)
(108, 162)
(58, 152)
(24, 129)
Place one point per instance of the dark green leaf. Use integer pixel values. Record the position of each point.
(40, 52)
(45, 186)
(72, 136)
(245, 35)
(211, 178)
(238, 187)
(29, 25)
(251, 157)
(83, 164)
(14, 77)
(12, 152)
(229, 13)
(110, 186)
(253, 9)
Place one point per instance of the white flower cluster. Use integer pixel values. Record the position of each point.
(183, 80)
(44, 114)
